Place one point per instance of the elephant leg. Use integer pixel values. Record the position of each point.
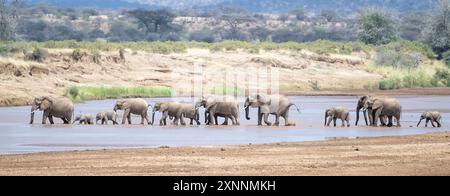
(260, 116)
(125, 116)
(129, 119)
(376, 117)
(329, 121)
(286, 119)
(183, 123)
(398, 120)
(277, 120)
(343, 122)
(334, 122)
(191, 122)
(266, 120)
(438, 123)
(432, 123)
(212, 118)
(44, 118)
(65, 121)
(146, 119)
(50, 119)
(426, 122)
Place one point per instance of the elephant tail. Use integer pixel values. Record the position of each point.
(297, 108)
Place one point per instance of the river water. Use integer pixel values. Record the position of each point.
(18, 137)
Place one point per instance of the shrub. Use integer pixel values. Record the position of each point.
(389, 84)
(314, 85)
(446, 58)
(73, 92)
(397, 59)
(77, 55)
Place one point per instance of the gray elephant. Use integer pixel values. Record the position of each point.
(133, 106)
(277, 105)
(107, 116)
(380, 108)
(216, 118)
(216, 106)
(335, 113)
(53, 107)
(191, 112)
(176, 111)
(84, 119)
(367, 113)
(431, 117)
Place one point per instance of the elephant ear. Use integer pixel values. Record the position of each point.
(263, 99)
(46, 103)
(210, 104)
(376, 104)
(164, 107)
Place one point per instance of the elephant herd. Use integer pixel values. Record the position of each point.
(382, 109)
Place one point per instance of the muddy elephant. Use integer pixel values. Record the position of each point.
(84, 119)
(133, 106)
(335, 113)
(433, 117)
(277, 105)
(384, 109)
(171, 110)
(53, 107)
(104, 117)
(220, 106)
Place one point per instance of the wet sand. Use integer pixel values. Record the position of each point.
(404, 155)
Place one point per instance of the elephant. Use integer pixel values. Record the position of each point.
(380, 108)
(191, 112)
(133, 106)
(368, 113)
(431, 117)
(277, 105)
(106, 116)
(53, 107)
(219, 106)
(337, 113)
(176, 111)
(84, 119)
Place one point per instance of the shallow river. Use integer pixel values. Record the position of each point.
(16, 136)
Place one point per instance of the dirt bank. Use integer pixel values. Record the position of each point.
(409, 155)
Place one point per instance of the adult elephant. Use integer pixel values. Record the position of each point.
(368, 113)
(133, 106)
(382, 108)
(277, 105)
(217, 106)
(53, 107)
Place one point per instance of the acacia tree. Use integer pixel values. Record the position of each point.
(376, 27)
(154, 21)
(440, 35)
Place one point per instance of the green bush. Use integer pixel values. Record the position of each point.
(114, 92)
(446, 58)
(389, 84)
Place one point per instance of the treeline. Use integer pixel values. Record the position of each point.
(372, 26)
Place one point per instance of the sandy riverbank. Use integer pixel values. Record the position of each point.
(408, 155)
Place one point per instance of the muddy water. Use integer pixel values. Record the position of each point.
(16, 136)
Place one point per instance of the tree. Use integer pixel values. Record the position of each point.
(329, 15)
(234, 18)
(413, 26)
(376, 27)
(440, 35)
(300, 13)
(154, 21)
(260, 33)
(9, 14)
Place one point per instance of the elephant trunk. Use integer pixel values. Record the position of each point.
(206, 118)
(33, 110)
(247, 112)
(153, 117)
(326, 116)
(358, 109)
(420, 121)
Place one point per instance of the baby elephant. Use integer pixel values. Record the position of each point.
(337, 113)
(105, 117)
(431, 116)
(85, 119)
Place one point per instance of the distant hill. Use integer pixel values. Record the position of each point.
(252, 5)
